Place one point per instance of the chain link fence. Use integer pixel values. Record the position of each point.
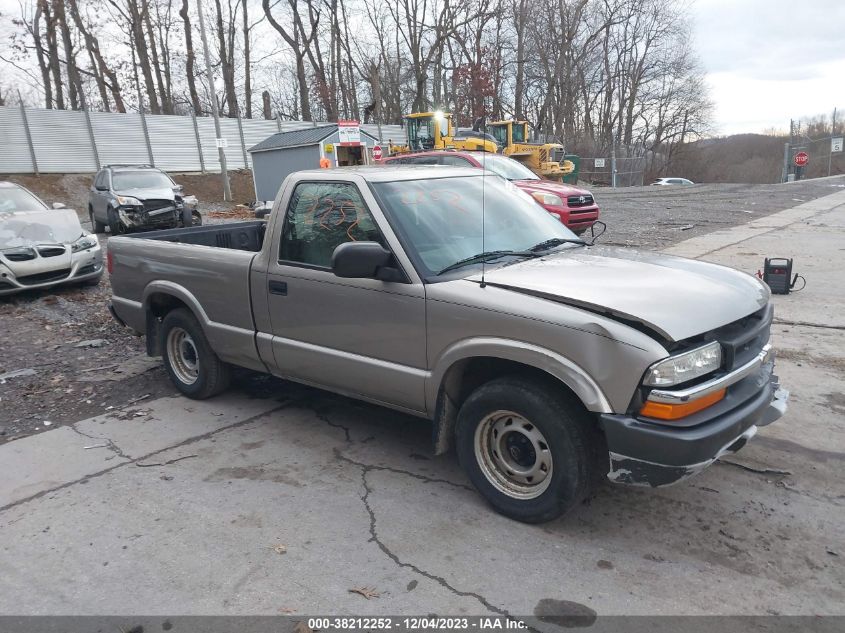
(630, 171)
(36, 141)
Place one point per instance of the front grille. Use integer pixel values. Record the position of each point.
(155, 205)
(23, 255)
(51, 251)
(579, 201)
(160, 220)
(40, 278)
(742, 340)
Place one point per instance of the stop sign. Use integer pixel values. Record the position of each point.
(377, 152)
(801, 159)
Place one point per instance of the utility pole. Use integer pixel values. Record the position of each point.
(613, 164)
(227, 192)
(785, 172)
(832, 134)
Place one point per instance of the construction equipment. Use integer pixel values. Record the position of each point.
(434, 130)
(546, 160)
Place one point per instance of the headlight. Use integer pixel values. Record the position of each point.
(548, 199)
(83, 244)
(683, 367)
(190, 201)
(129, 201)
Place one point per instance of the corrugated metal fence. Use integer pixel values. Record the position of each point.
(65, 141)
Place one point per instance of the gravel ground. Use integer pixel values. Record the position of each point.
(46, 331)
(657, 217)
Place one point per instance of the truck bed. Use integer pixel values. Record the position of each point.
(205, 267)
(241, 236)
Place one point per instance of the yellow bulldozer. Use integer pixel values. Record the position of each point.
(434, 130)
(546, 160)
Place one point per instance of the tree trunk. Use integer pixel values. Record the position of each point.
(41, 55)
(165, 106)
(190, 58)
(265, 100)
(53, 54)
(293, 40)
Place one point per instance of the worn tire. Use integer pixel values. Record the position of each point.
(567, 429)
(212, 374)
(96, 225)
(196, 218)
(115, 225)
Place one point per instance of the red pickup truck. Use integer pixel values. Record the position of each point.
(575, 207)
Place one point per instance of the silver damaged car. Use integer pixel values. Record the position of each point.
(41, 246)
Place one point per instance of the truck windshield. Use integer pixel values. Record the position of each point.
(122, 180)
(439, 219)
(507, 168)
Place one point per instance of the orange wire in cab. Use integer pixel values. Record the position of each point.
(662, 411)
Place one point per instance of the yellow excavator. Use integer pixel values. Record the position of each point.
(546, 160)
(434, 130)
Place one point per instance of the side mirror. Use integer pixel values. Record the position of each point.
(59, 205)
(363, 260)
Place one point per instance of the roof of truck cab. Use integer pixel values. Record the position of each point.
(389, 173)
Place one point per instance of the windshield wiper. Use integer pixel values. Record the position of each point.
(555, 241)
(486, 256)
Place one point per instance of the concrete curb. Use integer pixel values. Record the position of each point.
(702, 245)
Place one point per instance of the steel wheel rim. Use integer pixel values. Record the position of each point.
(182, 352)
(513, 455)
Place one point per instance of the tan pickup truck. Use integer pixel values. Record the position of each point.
(546, 362)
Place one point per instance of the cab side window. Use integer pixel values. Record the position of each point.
(320, 217)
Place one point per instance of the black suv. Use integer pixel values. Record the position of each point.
(138, 197)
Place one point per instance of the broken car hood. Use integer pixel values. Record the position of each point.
(678, 298)
(49, 226)
(162, 193)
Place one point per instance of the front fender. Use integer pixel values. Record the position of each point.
(562, 368)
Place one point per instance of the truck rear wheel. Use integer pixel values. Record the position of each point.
(192, 365)
(528, 449)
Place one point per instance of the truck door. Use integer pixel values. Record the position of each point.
(359, 336)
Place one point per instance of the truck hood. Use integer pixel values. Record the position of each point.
(48, 226)
(164, 193)
(675, 297)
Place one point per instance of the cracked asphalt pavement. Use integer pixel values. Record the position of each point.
(283, 499)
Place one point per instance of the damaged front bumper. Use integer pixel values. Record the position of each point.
(643, 453)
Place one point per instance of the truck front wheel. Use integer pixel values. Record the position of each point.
(192, 365)
(527, 448)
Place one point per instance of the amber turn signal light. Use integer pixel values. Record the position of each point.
(662, 411)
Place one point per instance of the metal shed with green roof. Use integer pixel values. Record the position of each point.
(283, 153)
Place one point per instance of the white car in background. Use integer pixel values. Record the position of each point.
(41, 246)
(673, 181)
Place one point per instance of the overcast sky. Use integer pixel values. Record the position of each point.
(766, 60)
(770, 60)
